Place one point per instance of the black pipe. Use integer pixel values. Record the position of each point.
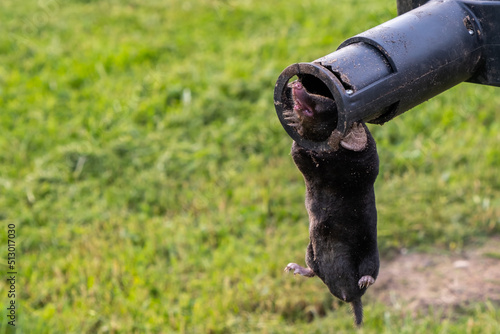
(387, 70)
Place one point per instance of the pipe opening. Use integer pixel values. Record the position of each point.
(315, 85)
(313, 127)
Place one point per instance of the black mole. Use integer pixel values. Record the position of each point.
(340, 201)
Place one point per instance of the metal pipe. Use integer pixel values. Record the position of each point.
(387, 70)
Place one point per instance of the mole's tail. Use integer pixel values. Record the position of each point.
(357, 309)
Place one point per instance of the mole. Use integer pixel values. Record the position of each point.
(340, 200)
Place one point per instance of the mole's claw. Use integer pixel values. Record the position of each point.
(299, 270)
(290, 266)
(356, 138)
(365, 281)
(291, 118)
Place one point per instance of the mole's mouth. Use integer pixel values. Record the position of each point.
(301, 100)
(314, 125)
(299, 107)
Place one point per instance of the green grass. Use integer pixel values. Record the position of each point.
(151, 184)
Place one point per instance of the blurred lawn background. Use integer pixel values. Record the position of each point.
(151, 183)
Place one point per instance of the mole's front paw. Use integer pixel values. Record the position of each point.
(299, 270)
(365, 281)
(356, 138)
(292, 119)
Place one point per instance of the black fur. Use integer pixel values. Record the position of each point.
(340, 201)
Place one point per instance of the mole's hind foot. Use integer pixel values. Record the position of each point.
(365, 281)
(299, 270)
